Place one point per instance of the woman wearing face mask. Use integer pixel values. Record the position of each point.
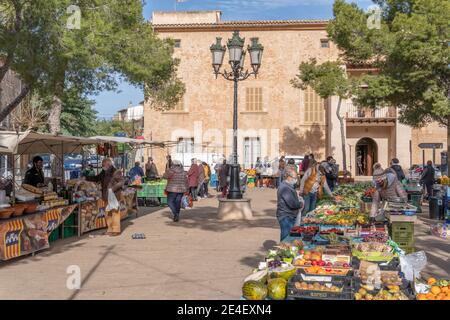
(388, 186)
(110, 178)
(312, 186)
(289, 203)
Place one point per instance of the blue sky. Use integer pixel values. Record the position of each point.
(107, 103)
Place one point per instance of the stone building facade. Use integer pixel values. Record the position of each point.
(274, 118)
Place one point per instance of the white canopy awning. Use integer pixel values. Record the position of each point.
(102, 139)
(30, 142)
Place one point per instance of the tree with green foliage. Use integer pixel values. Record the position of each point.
(327, 79)
(57, 48)
(411, 52)
(111, 127)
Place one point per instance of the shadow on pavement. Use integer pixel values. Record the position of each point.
(205, 218)
(253, 260)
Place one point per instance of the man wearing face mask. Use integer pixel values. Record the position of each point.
(388, 186)
(289, 203)
(110, 178)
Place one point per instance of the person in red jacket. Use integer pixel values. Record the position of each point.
(193, 175)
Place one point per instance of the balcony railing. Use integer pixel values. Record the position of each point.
(354, 112)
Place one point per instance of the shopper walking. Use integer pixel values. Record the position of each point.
(304, 165)
(177, 186)
(223, 177)
(207, 171)
(192, 175)
(217, 175)
(259, 168)
(312, 186)
(427, 178)
(289, 203)
(112, 180)
(201, 180)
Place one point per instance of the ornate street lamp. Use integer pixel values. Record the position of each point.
(237, 61)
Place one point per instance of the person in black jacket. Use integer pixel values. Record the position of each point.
(35, 175)
(427, 178)
(289, 203)
(397, 169)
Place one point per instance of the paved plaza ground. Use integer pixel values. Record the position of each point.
(198, 258)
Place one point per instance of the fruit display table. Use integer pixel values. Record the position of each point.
(29, 233)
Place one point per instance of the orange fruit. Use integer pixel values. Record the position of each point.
(421, 296)
(429, 296)
(435, 290)
(431, 281)
(444, 289)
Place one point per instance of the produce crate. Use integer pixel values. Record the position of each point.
(70, 227)
(163, 201)
(401, 226)
(54, 235)
(406, 246)
(393, 265)
(297, 294)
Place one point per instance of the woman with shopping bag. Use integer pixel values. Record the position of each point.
(177, 186)
(112, 182)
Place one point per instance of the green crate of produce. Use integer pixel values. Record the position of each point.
(70, 229)
(402, 235)
(54, 235)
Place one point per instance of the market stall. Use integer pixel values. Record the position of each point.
(337, 255)
(29, 214)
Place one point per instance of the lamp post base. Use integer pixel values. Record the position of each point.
(235, 189)
(235, 209)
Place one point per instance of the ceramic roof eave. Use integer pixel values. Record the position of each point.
(245, 25)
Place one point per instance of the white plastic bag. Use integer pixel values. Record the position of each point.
(113, 203)
(185, 202)
(412, 264)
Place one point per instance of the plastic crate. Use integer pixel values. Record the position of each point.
(402, 226)
(393, 265)
(297, 294)
(69, 227)
(163, 201)
(402, 235)
(406, 246)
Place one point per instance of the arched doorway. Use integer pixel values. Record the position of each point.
(366, 156)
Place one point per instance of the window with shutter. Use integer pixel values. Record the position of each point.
(254, 99)
(314, 107)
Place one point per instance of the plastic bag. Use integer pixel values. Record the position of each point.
(412, 264)
(185, 202)
(113, 203)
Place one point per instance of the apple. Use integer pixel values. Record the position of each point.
(329, 264)
(346, 265)
(322, 263)
(314, 263)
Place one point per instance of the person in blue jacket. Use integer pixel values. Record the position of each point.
(136, 171)
(289, 203)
